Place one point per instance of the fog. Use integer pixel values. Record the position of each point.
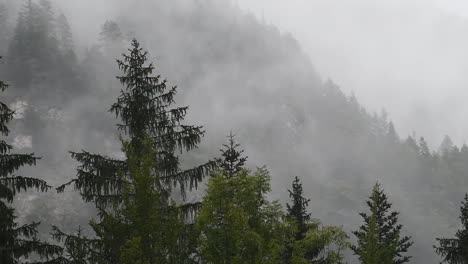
(408, 57)
(260, 68)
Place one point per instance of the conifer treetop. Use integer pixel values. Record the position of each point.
(379, 238)
(232, 160)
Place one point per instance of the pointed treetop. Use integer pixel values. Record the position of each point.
(424, 148)
(464, 149)
(297, 211)
(232, 161)
(453, 250)
(379, 239)
(110, 31)
(391, 133)
(446, 146)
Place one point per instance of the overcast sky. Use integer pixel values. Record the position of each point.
(408, 56)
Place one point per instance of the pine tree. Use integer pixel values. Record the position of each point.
(424, 149)
(112, 38)
(311, 242)
(110, 32)
(379, 240)
(17, 241)
(412, 145)
(231, 160)
(65, 37)
(297, 211)
(146, 113)
(33, 53)
(455, 250)
(446, 146)
(298, 215)
(392, 135)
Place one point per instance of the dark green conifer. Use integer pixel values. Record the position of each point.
(379, 240)
(298, 215)
(297, 211)
(455, 250)
(146, 112)
(231, 160)
(310, 241)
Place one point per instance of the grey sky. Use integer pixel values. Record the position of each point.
(408, 56)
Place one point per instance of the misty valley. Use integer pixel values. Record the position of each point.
(195, 132)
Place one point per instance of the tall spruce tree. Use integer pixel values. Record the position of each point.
(379, 240)
(455, 250)
(424, 149)
(298, 215)
(17, 242)
(146, 113)
(36, 63)
(65, 37)
(311, 242)
(231, 160)
(297, 210)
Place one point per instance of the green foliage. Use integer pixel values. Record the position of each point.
(325, 242)
(231, 160)
(379, 239)
(237, 223)
(297, 211)
(144, 108)
(455, 250)
(78, 249)
(311, 242)
(138, 217)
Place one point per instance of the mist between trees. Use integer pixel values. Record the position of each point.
(142, 185)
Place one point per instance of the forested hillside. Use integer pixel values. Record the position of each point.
(236, 74)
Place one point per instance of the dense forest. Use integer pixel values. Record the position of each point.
(96, 168)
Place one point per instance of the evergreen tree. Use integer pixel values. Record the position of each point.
(33, 53)
(298, 215)
(392, 135)
(146, 113)
(379, 238)
(231, 160)
(237, 223)
(112, 38)
(311, 242)
(65, 37)
(17, 242)
(110, 32)
(322, 245)
(297, 211)
(455, 250)
(77, 248)
(410, 142)
(424, 149)
(446, 146)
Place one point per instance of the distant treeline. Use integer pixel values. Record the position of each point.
(144, 214)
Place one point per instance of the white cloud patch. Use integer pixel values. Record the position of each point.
(19, 107)
(21, 142)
